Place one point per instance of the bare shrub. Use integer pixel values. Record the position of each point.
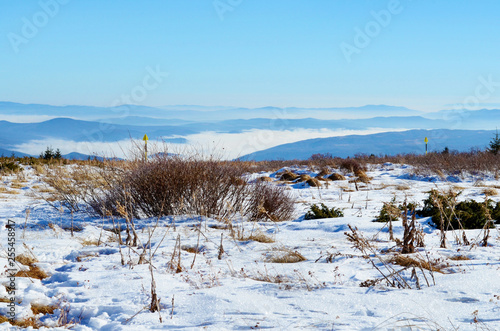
(79, 184)
(270, 202)
(351, 165)
(170, 185)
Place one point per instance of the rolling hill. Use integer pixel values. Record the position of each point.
(390, 143)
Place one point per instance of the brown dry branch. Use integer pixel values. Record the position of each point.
(221, 248)
(175, 260)
(392, 276)
(409, 230)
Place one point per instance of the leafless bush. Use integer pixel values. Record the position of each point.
(270, 202)
(410, 230)
(84, 184)
(169, 185)
(351, 165)
(393, 277)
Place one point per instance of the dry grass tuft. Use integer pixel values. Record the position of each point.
(459, 258)
(402, 187)
(193, 249)
(363, 177)
(323, 172)
(289, 176)
(304, 178)
(22, 323)
(337, 176)
(257, 236)
(16, 184)
(407, 261)
(219, 226)
(86, 256)
(38, 308)
(490, 191)
(42, 189)
(39, 169)
(26, 260)
(34, 272)
(274, 279)
(313, 182)
(89, 242)
(11, 192)
(284, 255)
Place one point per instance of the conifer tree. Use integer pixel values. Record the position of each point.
(494, 144)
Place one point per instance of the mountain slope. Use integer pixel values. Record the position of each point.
(77, 130)
(381, 143)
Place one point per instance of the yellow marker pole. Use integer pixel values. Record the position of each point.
(426, 141)
(145, 138)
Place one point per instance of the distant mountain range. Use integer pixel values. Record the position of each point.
(176, 124)
(201, 113)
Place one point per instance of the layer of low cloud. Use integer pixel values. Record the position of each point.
(26, 118)
(222, 145)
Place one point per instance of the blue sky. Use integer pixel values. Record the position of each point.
(424, 55)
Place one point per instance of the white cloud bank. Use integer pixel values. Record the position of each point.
(224, 145)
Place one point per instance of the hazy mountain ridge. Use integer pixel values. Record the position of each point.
(411, 141)
(176, 123)
(201, 113)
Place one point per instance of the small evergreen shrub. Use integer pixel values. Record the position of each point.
(323, 212)
(468, 214)
(392, 212)
(389, 212)
(9, 167)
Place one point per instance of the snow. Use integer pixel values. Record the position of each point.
(235, 292)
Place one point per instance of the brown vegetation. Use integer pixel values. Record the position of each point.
(336, 176)
(284, 255)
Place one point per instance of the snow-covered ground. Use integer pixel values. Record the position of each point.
(244, 289)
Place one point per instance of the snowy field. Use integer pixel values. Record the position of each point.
(240, 287)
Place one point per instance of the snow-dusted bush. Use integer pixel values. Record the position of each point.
(171, 185)
(270, 202)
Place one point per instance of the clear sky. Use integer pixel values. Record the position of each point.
(318, 53)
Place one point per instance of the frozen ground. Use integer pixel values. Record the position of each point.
(243, 289)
